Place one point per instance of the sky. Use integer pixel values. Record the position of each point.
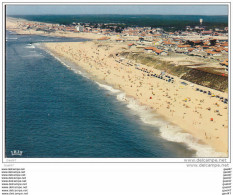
(117, 9)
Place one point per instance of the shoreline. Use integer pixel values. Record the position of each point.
(172, 121)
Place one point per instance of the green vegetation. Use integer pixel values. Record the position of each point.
(200, 77)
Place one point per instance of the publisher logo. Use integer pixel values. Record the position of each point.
(16, 153)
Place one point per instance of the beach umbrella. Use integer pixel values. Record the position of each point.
(211, 119)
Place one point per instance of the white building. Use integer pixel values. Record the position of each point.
(80, 28)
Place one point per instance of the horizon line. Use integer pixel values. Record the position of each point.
(113, 14)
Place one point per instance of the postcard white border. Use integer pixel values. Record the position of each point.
(112, 160)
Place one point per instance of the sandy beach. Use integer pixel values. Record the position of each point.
(203, 116)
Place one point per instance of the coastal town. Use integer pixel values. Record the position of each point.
(211, 45)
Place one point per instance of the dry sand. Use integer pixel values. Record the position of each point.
(182, 105)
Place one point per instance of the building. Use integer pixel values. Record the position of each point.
(201, 21)
(79, 28)
(225, 63)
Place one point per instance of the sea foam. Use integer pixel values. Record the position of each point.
(12, 38)
(73, 68)
(30, 46)
(167, 130)
(109, 88)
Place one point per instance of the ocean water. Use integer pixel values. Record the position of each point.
(56, 110)
(165, 21)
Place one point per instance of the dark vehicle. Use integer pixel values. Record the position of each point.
(183, 83)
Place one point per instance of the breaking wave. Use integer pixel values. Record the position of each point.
(109, 88)
(169, 131)
(30, 46)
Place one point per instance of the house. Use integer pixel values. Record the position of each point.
(155, 50)
(149, 49)
(210, 32)
(141, 39)
(190, 49)
(213, 53)
(168, 43)
(184, 46)
(225, 50)
(119, 40)
(219, 49)
(225, 63)
(159, 51)
(224, 44)
(130, 45)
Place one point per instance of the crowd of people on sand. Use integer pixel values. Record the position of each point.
(79, 54)
(166, 77)
(171, 97)
(222, 99)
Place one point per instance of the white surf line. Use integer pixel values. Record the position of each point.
(169, 131)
